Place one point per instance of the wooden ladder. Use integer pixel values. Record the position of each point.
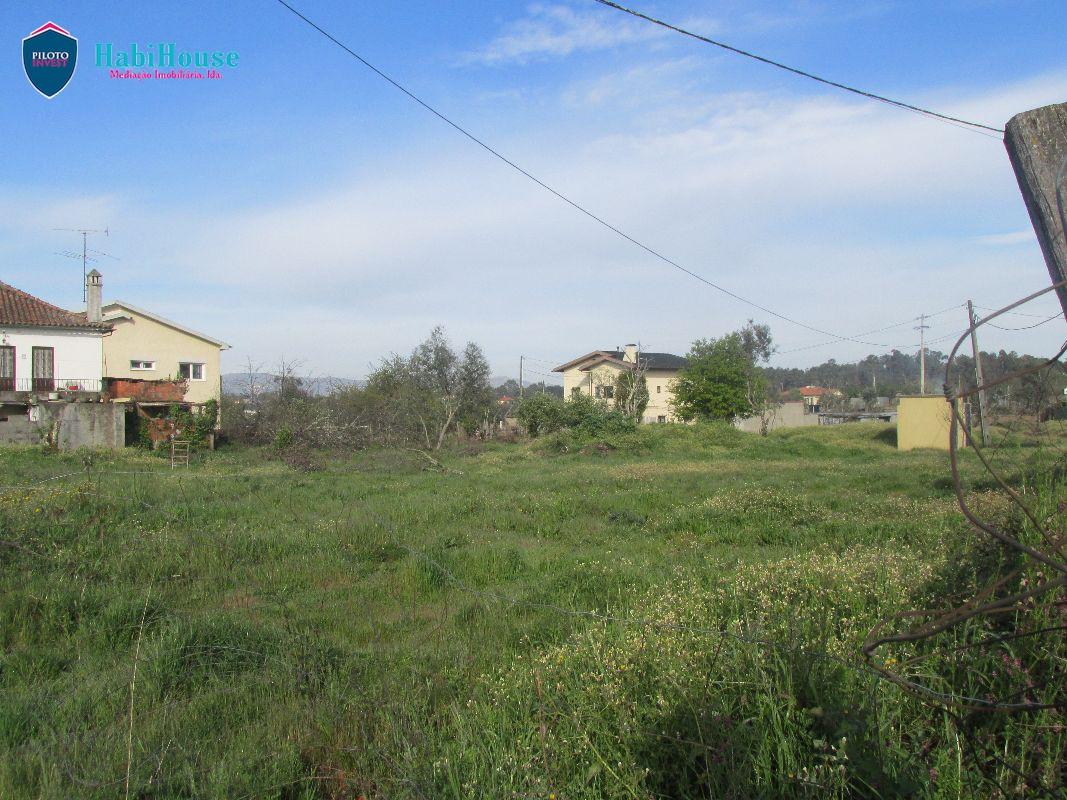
(179, 453)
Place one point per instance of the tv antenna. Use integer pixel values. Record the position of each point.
(84, 255)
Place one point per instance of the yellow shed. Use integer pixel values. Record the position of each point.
(924, 421)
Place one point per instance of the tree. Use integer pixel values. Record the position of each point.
(433, 389)
(715, 383)
(631, 391)
(723, 379)
(476, 395)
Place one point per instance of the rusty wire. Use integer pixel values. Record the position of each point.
(989, 601)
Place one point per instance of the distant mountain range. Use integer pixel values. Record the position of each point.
(237, 383)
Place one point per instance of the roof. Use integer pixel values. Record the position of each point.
(20, 308)
(116, 304)
(814, 391)
(667, 361)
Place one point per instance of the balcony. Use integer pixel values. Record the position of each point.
(44, 386)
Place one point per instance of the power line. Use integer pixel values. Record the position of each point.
(1057, 315)
(1017, 313)
(977, 127)
(875, 330)
(572, 203)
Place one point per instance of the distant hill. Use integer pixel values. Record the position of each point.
(236, 383)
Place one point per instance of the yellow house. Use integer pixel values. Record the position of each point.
(595, 374)
(146, 347)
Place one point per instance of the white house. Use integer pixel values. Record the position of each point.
(44, 348)
(595, 374)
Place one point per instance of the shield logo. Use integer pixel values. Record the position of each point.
(49, 55)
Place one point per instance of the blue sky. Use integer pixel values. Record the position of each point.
(303, 209)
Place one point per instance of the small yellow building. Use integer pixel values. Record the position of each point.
(595, 374)
(925, 421)
(147, 347)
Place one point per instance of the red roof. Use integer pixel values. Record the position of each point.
(814, 391)
(19, 308)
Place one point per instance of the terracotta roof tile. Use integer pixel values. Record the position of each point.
(19, 308)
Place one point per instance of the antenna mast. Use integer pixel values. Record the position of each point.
(85, 257)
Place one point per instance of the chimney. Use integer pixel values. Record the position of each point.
(94, 289)
(630, 356)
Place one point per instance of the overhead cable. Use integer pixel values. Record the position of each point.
(977, 127)
(572, 203)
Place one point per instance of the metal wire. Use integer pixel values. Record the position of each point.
(989, 601)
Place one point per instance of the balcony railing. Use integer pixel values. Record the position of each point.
(51, 384)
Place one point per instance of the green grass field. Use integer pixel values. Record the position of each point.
(673, 613)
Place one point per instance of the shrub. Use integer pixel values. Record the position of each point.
(283, 439)
(543, 414)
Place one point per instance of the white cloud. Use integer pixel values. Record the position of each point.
(844, 214)
(559, 30)
(1007, 239)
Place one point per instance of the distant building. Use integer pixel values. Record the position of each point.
(146, 349)
(596, 373)
(44, 348)
(813, 397)
(51, 379)
(70, 377)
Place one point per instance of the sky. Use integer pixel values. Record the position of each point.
(304, 210)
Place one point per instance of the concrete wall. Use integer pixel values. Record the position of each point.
(69, 425)
(787, 415)
(15, 426)
(78, 354)
(923, 422)
(140, 338)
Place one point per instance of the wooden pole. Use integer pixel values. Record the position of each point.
(520, 377)
(1037, 146)
(978, 373)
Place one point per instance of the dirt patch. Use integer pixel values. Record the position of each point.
(239, 599)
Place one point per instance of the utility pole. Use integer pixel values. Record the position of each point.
(520, 376)
(978, 372)
(1037, 146)
(921, 328)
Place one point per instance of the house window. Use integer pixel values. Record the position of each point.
(142, 365)
(43, 365)
(191, 371)
(658, 388)
(661, 418)
(7, 369)
(606, 392)
(575, 391)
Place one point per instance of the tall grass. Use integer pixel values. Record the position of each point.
(673, 614)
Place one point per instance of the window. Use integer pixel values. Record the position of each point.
(43, 366)
(142, 365)
(575, 391)
(191, 371)
(658, 388)
(7, 369)
(606, 392)
(661, 419)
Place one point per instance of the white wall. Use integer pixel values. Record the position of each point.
(78, 354)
